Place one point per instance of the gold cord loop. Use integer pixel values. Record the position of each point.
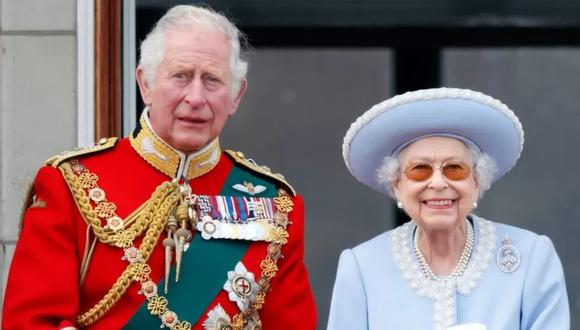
(150, 218)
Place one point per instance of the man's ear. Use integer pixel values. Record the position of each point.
(238, 96)
(144, 87)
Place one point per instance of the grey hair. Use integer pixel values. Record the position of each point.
(484, 166)
(153, 47)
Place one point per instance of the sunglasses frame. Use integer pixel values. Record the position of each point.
(462, 164)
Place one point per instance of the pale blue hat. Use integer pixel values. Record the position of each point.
(470, 116)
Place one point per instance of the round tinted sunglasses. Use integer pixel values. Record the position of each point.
(452, 170)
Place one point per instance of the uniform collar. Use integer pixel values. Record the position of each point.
(167, 159)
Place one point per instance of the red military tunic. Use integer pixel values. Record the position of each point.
(49, 287)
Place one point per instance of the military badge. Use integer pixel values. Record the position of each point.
(208, 227)
(241, 286)
(115, 223)
(38, 203)
(97, 195)
(169, 319)
(217, 319)
(148, 289)
(249, 188)
(132, 255)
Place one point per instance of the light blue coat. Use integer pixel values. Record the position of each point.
(371, 293)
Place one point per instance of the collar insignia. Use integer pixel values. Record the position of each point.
(168, 160)
(148, 148)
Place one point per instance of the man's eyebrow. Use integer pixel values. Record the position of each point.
(181, 66)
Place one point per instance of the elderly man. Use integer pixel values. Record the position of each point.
(163, 228)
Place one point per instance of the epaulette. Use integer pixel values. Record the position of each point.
(240, 159)
(103, 144)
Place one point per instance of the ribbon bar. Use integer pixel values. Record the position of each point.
(235, 209)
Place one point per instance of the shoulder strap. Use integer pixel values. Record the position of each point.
(104, 144)
(240, 159)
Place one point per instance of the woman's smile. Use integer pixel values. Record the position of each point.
(439, 204)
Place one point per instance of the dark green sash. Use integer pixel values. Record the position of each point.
(204, 266)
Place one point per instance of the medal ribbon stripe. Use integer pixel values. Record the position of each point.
(250, 209)
(220, 208)
(242, 205)
(214, 211)
(232, 208)
(203, 204)
(268, 209)
(236, 206)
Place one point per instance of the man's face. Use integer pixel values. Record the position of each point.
(192, 96)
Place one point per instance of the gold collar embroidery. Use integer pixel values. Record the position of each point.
(170, 161)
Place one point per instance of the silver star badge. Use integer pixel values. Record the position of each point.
(217, 319)
(241, 286)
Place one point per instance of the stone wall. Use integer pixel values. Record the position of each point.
(37, 101)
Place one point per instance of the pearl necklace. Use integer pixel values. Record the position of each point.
(463, 259)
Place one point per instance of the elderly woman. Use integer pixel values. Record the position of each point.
(436, 151)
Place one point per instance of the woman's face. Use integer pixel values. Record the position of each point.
(436, 203)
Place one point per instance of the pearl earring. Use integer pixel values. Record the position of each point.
(474, 205)
(399, 204)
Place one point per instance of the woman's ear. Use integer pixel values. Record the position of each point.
(476, 182)
(396, 189)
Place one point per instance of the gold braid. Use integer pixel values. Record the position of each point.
(84, 204)
(143, 215)
(151, 217)
(161, 204)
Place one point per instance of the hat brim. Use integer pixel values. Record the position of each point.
(489, 129)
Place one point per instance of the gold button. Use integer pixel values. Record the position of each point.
(103, 141)
(240, 154)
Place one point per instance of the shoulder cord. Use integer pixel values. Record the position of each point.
(153, 218)
(88, 254)
(166, 205)
(140, 218)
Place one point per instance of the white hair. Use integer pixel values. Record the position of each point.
(484, 166)
(153, 47)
